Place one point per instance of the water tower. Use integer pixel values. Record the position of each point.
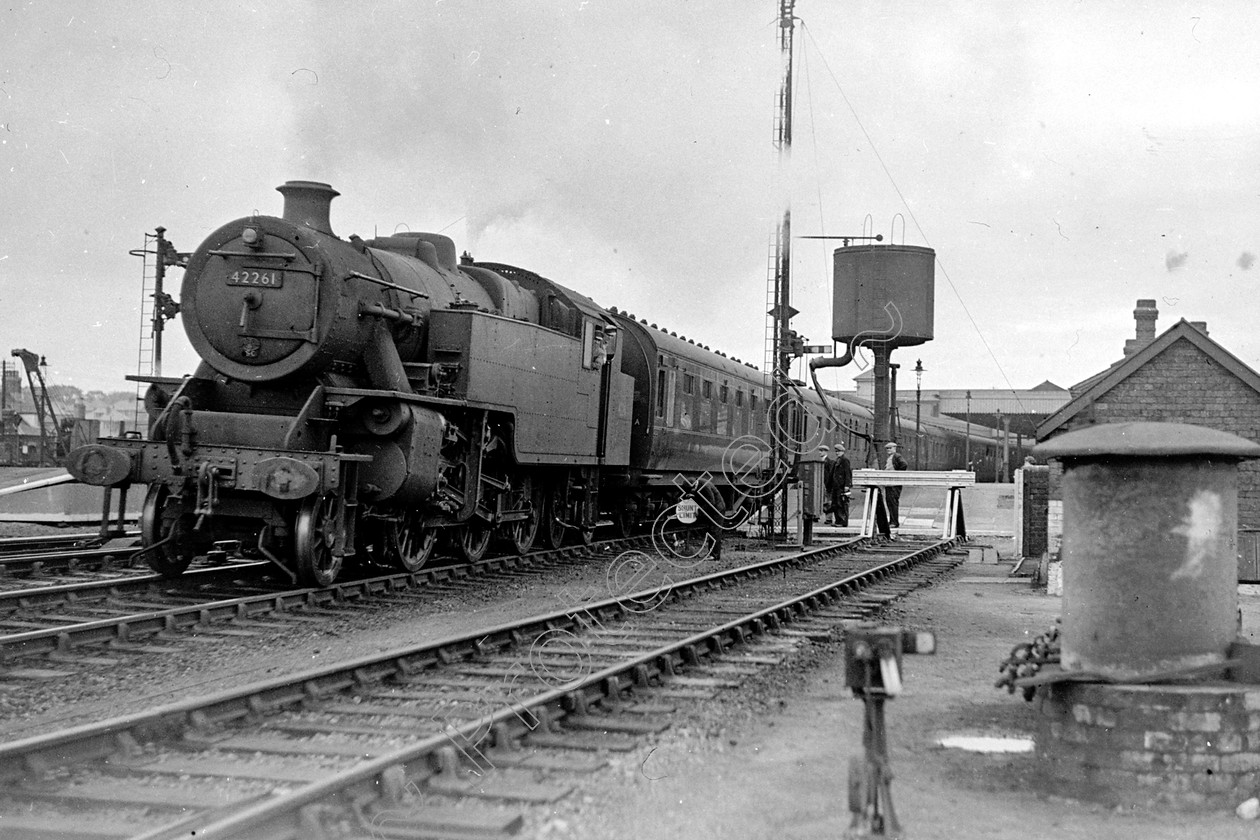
(882, 297)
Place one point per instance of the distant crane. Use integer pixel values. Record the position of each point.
(50, 432)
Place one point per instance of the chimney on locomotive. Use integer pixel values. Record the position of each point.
(307, 203)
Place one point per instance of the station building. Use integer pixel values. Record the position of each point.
(1009, 416)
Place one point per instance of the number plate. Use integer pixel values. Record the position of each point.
(266, 278)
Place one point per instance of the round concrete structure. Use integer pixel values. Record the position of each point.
(1150, 515)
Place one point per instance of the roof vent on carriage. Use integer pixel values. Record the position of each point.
(307, 203)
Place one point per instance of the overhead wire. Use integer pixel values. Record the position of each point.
(805, 75)
(910, 212)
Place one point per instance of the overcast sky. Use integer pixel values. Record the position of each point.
(1063, 159)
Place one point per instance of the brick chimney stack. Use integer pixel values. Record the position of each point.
(1145, 315)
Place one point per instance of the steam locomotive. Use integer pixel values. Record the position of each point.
(377, 396)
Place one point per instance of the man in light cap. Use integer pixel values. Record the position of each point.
(892, 495)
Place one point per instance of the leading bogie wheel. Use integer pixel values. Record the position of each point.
(317, 540)
(173, 556)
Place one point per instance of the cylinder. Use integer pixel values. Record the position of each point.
(883, 293)
(1150, 518)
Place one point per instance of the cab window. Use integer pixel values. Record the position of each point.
(595, 343)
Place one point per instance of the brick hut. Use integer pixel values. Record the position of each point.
(1178, 376)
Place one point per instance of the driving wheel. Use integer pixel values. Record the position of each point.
(410, 542)
(551, 529)
(472, 540)
(520, 534)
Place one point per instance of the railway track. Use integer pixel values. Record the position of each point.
(454, 739)
(44, 558)
(93, 624)
(48, 542)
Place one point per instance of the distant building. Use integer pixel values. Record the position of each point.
(10, 388)
(21, 441)
(1015, 411)
(1180, 376)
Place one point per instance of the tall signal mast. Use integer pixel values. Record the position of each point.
(779, 285)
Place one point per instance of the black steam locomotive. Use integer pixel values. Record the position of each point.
(379, 395)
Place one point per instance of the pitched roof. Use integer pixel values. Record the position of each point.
(1088, 390)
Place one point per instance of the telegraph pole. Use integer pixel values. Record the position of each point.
(967, 443)
(918, 404)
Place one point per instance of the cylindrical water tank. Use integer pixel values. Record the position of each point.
(883, 293)
(1150, 568)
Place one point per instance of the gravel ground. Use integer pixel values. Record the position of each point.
(30, 529)
(771, 759)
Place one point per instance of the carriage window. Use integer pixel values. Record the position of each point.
(707, 418)
(724, 393)
(739, 398)
(670, 387)
(660, 392)
(689, 384)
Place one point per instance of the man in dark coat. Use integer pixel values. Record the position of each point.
(717, 509)
(893, 494)
(838, 482)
